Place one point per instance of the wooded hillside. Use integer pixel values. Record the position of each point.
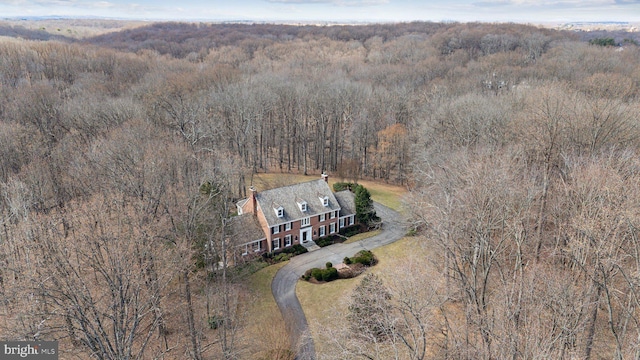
(121, 154)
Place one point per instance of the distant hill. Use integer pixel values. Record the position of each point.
(30, 34)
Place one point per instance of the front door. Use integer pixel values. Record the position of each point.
(305, 234)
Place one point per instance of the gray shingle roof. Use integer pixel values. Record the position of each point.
(289, 196)
(347, 201)
(245, 228)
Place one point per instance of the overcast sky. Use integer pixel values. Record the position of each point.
(530, 11)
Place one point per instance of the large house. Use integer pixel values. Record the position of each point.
(275, 219)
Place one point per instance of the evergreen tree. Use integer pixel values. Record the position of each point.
(365, 212)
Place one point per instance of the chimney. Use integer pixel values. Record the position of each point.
(252, 200)
(325, 177)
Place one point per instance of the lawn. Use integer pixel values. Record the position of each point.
(266, 329)
(317, 299)
(362, 236)
(388, 195)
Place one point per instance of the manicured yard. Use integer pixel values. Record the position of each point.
(320, 302)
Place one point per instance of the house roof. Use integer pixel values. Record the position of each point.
(347, 201)
(289, 197)
(242, 202)
(245, 227)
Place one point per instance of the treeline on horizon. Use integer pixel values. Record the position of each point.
(518, 144)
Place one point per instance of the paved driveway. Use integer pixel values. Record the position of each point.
(284, 283)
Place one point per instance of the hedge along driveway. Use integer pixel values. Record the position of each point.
(284, 283)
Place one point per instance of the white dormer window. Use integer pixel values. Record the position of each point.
(302, 205)
(279, 211)
(325, 200)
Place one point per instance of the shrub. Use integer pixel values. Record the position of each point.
(339, 186)
(282, 257)
(364, 257)
(296, 249)
(317, 274)
(351, 230)
(328, 264)
(325, 241)
(346, 260)
(330, 274)
(307, 275)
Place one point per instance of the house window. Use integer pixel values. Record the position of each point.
(257, 246)
(332, 228)
(275, 229)
(276, 243)
(246, 250)
(325, 200)
(322, 217)
(279, 211)
(302, 205)
(287, 240)
(305, 222)
(351, 220)
(287, 226)
(333, 214)
(322, 231)
(341, 223)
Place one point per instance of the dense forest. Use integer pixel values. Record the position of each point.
(121, 156)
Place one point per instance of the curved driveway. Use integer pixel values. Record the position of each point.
(284, 283)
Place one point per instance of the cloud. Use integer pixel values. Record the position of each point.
(333, 2)
(551, 3)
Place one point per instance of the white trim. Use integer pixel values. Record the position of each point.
(287, 240)
(332, 228)
(305, 222)
(306, 231)
(322, 217)
(324, 200)
(322, 231)
(273, 243)
(287, 226)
